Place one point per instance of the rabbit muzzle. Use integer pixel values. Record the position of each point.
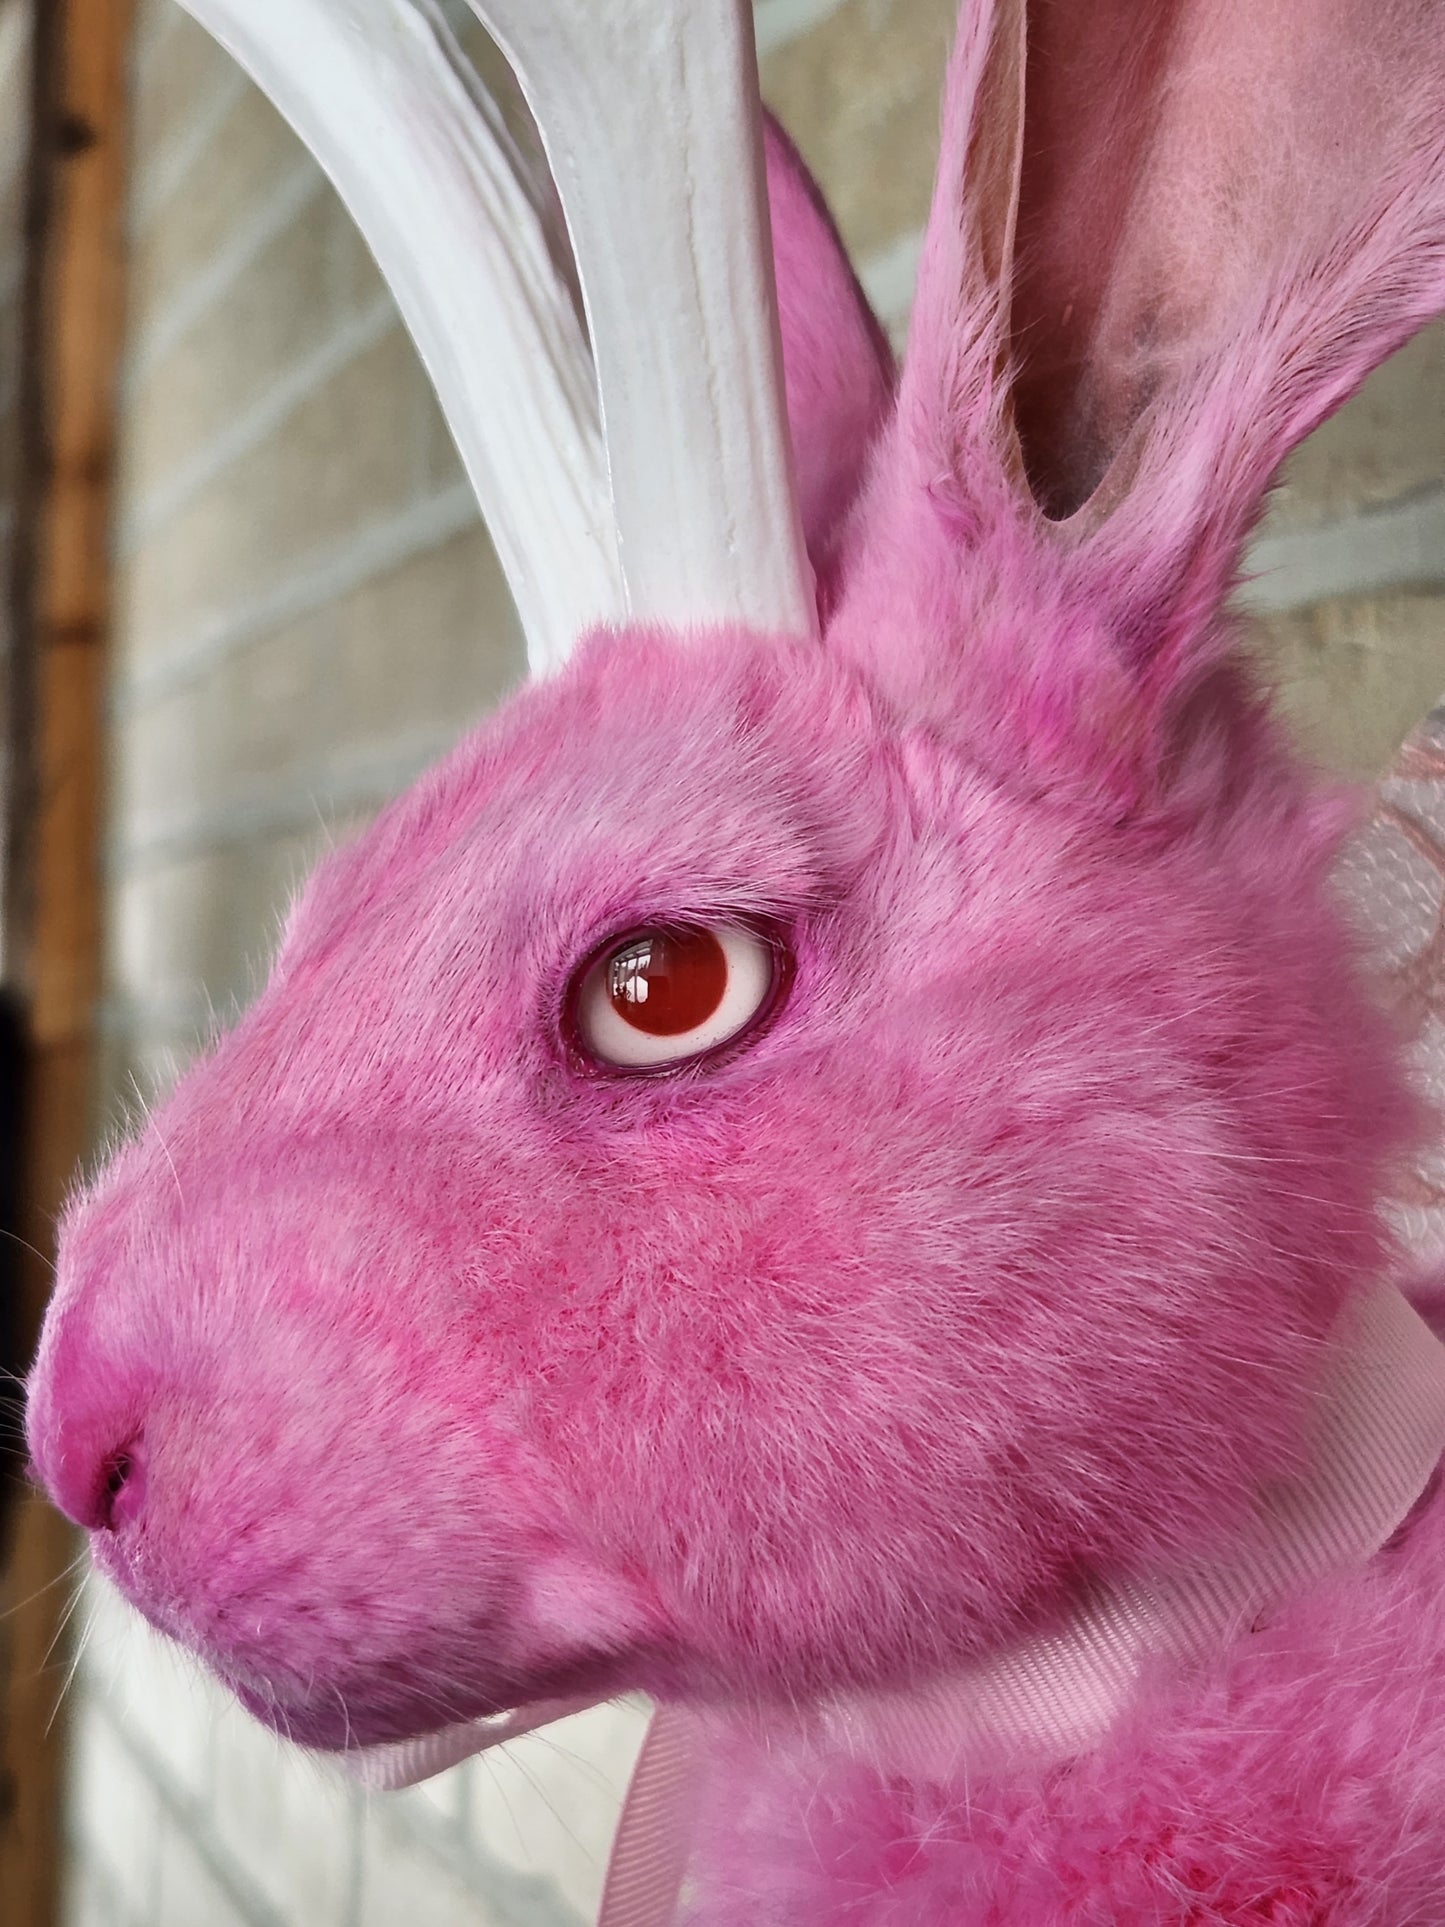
(344, 1523)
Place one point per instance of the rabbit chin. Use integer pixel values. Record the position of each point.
(568, 1629)
(382, 1710)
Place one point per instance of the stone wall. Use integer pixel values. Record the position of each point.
(308, 611)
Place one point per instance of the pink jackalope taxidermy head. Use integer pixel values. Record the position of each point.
(840, 1122)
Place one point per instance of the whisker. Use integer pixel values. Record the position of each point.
(58, 1579)
(539, 1787)
(62, 1624)
(25, 1245)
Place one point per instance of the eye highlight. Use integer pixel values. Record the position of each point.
(661, 995)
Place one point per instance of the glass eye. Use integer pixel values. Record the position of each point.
(659, 996)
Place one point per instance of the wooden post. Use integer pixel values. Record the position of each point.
(56, 729)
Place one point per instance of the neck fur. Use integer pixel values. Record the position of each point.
(1377, 1433)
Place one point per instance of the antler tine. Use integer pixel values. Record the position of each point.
(650, 115)
(383, 97)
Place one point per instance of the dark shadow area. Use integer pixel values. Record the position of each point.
(13, 1336)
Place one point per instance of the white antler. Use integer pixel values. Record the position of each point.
(380, 93)
(650, 115)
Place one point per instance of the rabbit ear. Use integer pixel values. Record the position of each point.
(953, 407)
(651, 119)
(1166, 241)
(837, 364)
(1230, 212)
(460, 227)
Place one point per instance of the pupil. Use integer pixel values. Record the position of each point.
(669, 981)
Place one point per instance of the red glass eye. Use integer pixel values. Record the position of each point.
(662, 994)
(667, 982)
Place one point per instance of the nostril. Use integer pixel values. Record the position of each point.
(122, 1489)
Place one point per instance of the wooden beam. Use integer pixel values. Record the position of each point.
(53, 897)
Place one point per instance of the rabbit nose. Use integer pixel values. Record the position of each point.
(121, 1488)
(85, 1426)
(104, 1490)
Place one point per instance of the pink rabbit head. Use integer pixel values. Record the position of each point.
(964, 1230)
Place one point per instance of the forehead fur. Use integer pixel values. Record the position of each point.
(722, 773)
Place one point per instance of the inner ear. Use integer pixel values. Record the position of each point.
(1093, 87)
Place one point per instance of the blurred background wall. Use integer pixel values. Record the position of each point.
(14, 144)
(14, 148)
(307, 614)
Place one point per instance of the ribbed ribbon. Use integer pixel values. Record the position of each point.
(1378, 1432)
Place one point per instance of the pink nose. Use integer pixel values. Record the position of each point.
(101, 1490)
(121, 1488)
(85, 1420)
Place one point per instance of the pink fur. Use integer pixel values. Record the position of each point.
(995, 1266)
